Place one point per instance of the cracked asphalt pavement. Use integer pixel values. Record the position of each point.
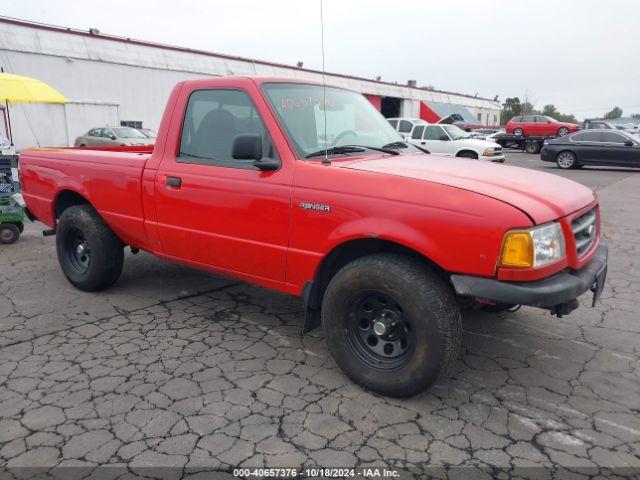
(179, 369)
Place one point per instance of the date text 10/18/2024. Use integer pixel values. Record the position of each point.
(364, 472)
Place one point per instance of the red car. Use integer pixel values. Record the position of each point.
(383, 242)
(540, 125)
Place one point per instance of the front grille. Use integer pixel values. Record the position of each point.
(585, 231)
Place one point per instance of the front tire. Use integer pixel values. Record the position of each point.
(392, 325)
(566, 160)
(90, 253)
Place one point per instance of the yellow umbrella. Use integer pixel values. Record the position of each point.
(19, 89)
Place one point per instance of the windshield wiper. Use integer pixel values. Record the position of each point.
(351, 149)
(382, 149)
(335, 150)
(402, 144)
(398, 144)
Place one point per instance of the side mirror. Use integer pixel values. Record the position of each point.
(112, 137)
(628, 143)
(444, 138)
(248, 146)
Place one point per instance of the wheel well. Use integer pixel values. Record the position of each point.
(350, 251)
(66, 199)
(459, 154)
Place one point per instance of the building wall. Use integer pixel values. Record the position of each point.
(120, 79)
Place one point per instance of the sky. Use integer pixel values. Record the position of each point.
(581, 55)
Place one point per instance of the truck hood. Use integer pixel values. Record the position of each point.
(477, 143)
(542, 196)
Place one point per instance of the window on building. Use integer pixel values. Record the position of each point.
(480, 117)
(131, 123)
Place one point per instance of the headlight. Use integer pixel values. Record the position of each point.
(489, 152)
(533, 247)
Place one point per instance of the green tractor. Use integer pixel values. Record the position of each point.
(11, 210)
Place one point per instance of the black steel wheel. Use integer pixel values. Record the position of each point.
(391, 323)
(90, 253)
(77, 251)
(378, 331)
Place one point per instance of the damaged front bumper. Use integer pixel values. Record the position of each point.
(557, 293)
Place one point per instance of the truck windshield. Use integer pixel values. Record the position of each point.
(350, 119)
(455, 133)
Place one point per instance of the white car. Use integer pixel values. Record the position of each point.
(451, 140)
(404, 125)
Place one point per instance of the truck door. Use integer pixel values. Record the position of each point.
(213, 210)
(436, 140)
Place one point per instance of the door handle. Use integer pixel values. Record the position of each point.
(174, 182)
(423, 143)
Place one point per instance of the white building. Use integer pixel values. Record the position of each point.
(114, 80)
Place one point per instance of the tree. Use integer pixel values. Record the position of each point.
(550, 110)
(510, 108)
(636, 116)
(616, 112)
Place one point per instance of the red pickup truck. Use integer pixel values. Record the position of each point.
(308, 190)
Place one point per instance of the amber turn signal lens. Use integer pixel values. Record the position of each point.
(517, 250)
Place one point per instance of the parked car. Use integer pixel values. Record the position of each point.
(459, 121)
(148, 132)
(485, 133)
(383, 242)
(451, 140)
(113, 136)
(405, 125)
(593, 147)
(597, 124)
(539, 125)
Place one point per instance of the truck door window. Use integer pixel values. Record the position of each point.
(417, 132)
(212, 120)
(433, 132)
(405, 126)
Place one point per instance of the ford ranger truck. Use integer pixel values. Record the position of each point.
(309, 191)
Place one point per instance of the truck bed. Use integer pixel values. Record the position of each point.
(106, 175)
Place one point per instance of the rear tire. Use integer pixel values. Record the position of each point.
(562, 131)
(566, 160)
(9, 233)
(90, 254)
(532, 147)
(421, 329)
